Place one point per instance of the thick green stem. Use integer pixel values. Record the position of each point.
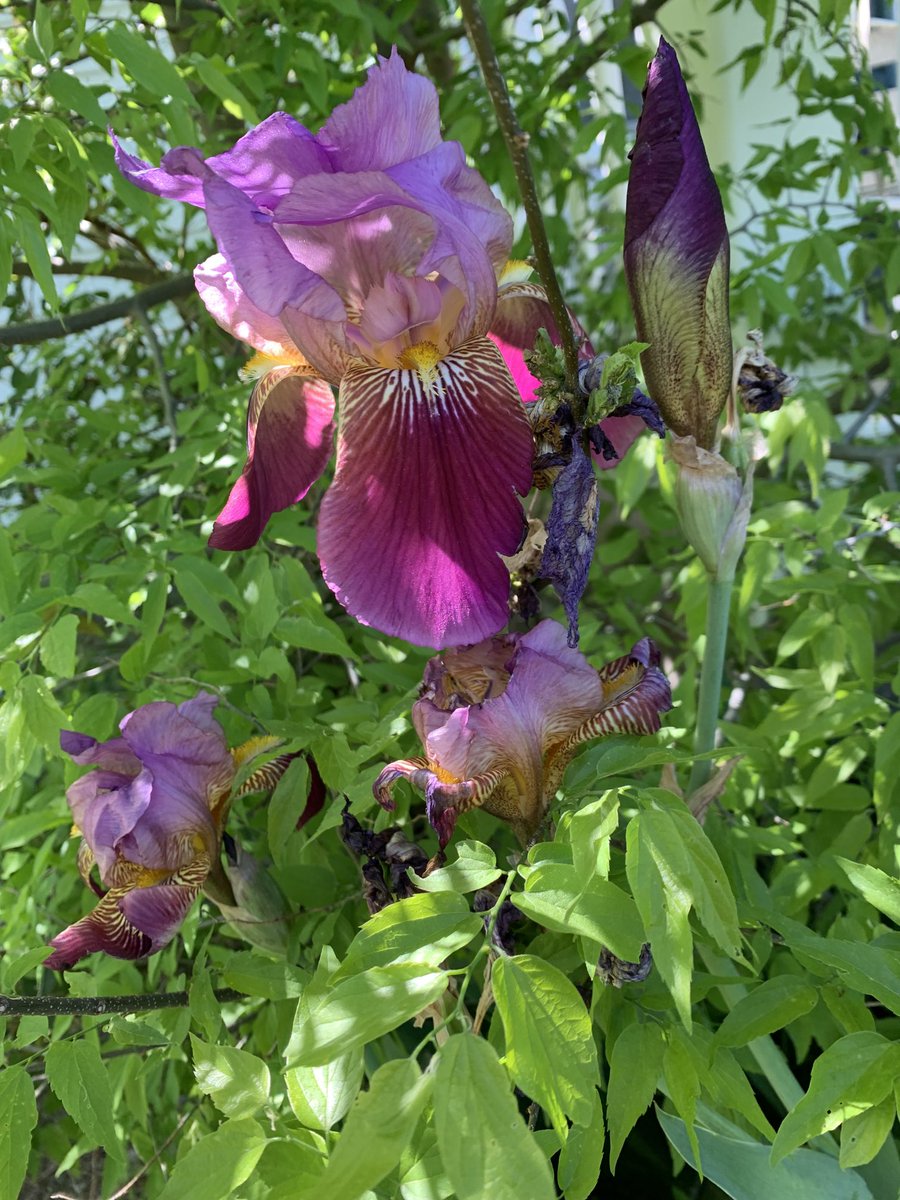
(55, 1006)
(718, 601)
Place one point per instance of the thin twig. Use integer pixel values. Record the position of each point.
(168, 400)
(56, 1006)
(517, 144)
(42, 331)
(126, 1188)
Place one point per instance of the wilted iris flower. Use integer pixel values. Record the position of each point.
(367, 257)
(500, 721)
(151, 817)
(676, 258)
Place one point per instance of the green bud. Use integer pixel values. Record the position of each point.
(713, 505)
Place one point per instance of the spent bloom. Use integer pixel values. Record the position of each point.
(500, 721)
(151, 820)
(677, 257)
(367, 258)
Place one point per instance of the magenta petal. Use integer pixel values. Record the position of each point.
(289, 438)
(423, 499)
(392, 117)
(522, 310)
(125, 925)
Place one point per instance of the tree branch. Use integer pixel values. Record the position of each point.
(590, 52)
(43, 331)
(61, 266)
(56, 1006)
(517, 144)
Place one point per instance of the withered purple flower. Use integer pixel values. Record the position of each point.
(500, 721)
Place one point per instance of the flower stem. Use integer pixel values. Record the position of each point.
(718, 601)
(517, 144)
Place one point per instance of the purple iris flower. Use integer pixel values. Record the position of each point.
(676, 258)
(500, 721)
(151, 817)
(367, 258)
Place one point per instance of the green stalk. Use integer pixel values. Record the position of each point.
(718, 601)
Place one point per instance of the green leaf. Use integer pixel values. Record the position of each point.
(97, 598)
(423, 929)
(235, 1080)
(78, 1077)
(320, 1096)
(673, 867)
(284, 809)
(13, 449)
(475, 867)
(58, 646)
(682, 1082)
(550, 1050)
(42, 712)
(742, 1170)
(863, 1136)
(19, 1118)
(376, 1131)
(34, 247)
(485, 1145)
(556, 897)
(581, 1157)
(634, 1071)
(218, 1164)
(146, 65)
(198, 599)
(256, 976)
(322, 635)
(205, 1008)
(882, 891)
(853, 1074)
(68, 91)
(233, 99)
(770, 1006)
(365, 1006)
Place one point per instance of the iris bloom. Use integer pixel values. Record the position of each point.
(500, 721)
(676, 258)
(151, 817)
(367, 257)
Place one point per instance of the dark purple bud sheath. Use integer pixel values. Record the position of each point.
(676, 258)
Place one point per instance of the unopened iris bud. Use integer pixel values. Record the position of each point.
(260, 912)
(713, 505)
(676, 258)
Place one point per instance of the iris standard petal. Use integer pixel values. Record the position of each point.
(354, 230)
(289, 440)
(156, 180)
(265, 162)
(229, 305)
(270, 276)
(677, 256)
(392, 117)
(424, 497)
